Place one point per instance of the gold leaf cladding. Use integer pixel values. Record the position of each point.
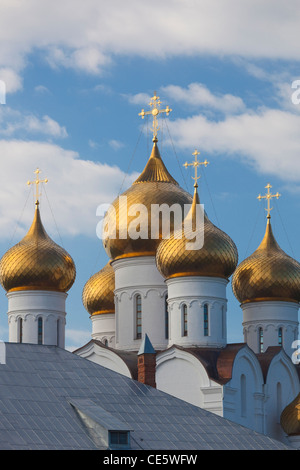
(269, 273)
(154, 186)
(290, 418)
(98, 292)
(37, 262)
(217, 258)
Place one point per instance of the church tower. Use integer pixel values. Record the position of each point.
(98, 300)
(131, 241)
(197, 277)
(36, 274)
(267, 284)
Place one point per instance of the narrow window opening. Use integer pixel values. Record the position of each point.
(261, 340)
(184, 319)
(138, 315)
(280, 337)
(40, 331)
(205, 319)
(20, 330)
(166, 318)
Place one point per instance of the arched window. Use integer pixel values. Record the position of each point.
(243, 396)
(105, 342)
(205, 319)
(166, 318)
(279, 336)
(261, 340)
(40, 330)
(184, 320)
(20, 330)
(138, 317)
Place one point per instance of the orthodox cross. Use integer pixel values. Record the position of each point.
(155, 111)
(195, 164)
(268, 197)
(37, 182)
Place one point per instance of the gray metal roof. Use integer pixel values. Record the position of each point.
(45, 391)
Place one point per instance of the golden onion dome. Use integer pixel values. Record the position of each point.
(98, 292)
(217, 257)
(268, 274)
(155, 185)
(290, 418)
(37, 262)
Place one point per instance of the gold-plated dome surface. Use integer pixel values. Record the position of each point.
(155, 185)
(290, 418)
(37, 262)
(98, 292)
(218, 256)
(268, 274)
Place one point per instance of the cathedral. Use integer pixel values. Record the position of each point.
(158, 309)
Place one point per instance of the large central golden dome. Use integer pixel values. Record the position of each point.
(268, 274)
(218, 256)
(37, 262)
(155, 185)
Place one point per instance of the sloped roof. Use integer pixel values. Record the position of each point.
(40, 387)
(218, 362)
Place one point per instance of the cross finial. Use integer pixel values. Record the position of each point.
(37, 181)
(195, 164)
(268, 197)
(155, 111)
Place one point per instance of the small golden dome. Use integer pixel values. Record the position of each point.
(268, 274)
(218, 256)
(37, 262)
(98, 292)
(290, 418)
(155, 185)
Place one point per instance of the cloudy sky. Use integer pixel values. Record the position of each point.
(76, 76)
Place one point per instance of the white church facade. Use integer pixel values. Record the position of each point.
(158, 310)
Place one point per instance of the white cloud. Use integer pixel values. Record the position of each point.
(93, 144)
(12, 80)
(267, 139)
(13, 121)
(75, 189)
(138, 98)
(116, 144)
(76, 338)
(198, 95)
(41, 89)
(88, 35)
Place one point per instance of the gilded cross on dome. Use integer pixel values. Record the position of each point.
(155, 111)
(195, 164)
(268, 197)
(37, 182)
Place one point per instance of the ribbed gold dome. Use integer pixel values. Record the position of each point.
(268, 274)
(37, 262)
(290, 418)
(98, 292)
(155, 185)
(217, 258)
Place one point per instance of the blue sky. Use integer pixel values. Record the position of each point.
(78, 73)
